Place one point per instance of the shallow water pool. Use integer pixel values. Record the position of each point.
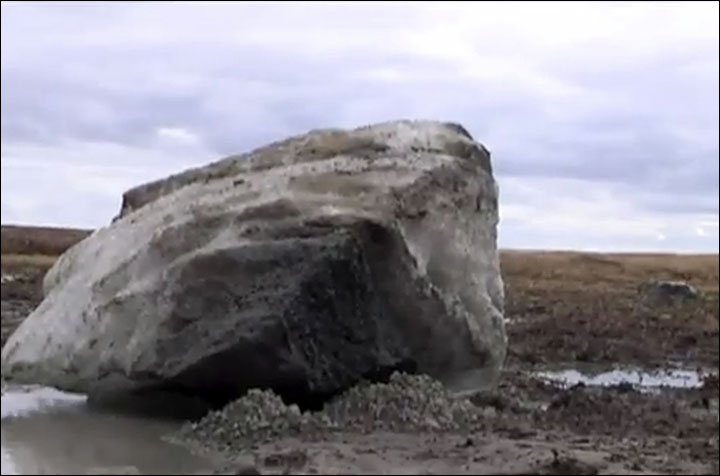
(637, 377)
(45, 431)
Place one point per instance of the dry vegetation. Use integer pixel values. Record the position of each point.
(27, 254)
(34, 249)
(22, 262)
(566, 269)
(24, 240)
(566, 307)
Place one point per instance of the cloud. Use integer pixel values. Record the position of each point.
(602, 117)
(56, 184)
(177, 135)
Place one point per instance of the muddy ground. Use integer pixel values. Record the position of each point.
(564, 310)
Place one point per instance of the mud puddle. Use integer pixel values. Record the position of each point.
(45, 431)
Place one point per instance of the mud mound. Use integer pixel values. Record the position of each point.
(259, 416)
(406, 403)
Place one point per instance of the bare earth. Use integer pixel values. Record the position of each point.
(564, 310)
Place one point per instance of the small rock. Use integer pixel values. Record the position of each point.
(664, 291)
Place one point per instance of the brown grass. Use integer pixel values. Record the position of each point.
(16, 262)
(574, 269)
(569, 306)
(30, 240)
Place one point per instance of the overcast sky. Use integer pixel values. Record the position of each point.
(602, 118)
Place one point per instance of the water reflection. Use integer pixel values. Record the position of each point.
(49, 432)
(642, 379)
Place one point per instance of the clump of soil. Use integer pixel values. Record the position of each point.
(260, 415)
(407, 403)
